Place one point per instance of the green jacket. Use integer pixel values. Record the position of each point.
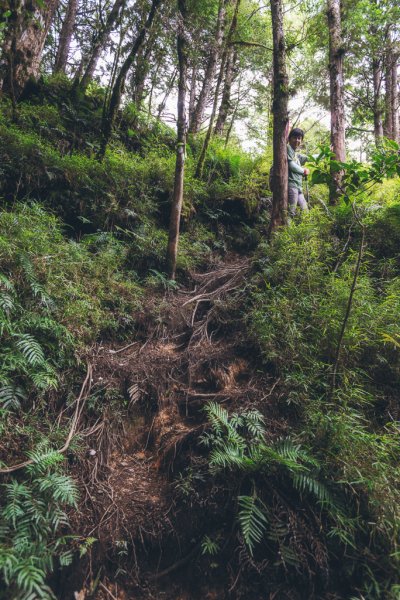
(296, 171)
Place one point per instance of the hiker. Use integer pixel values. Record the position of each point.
(296, 172)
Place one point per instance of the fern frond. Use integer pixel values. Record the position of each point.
(7, 303)
(218, 416)
(5, 283)
(11, 396)
(253, 521)
(31, 349)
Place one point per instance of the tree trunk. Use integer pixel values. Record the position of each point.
(336, 52)
(177, 199)
(120, 80)
(225, 105)
(391, 128)
(198, 113)
(67, 30)
(192, 96)
(23, 45)
(280, 120)
(234, 113)
(168, 91)
(377, 108)
(98, 46)
(232, 29)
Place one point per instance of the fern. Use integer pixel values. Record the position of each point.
(253, 521)
(32, 514)
(31, 349)
(37, 288)
(11, 396)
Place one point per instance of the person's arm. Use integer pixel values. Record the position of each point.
(303, 158)
(294, 167)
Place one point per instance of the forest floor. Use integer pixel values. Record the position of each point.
(189, 353)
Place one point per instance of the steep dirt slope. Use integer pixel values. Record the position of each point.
(190, 352)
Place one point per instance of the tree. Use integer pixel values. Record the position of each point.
(280, 120)
(177, 198)
(391, 126)
(229, 37)
(336, 52)
(198, 112)
(116, 93)
(67, 30)
(23, 45)
(89, 62)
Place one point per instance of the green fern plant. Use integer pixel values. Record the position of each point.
(237, 446)
(32, 513)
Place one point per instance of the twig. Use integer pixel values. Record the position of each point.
(72, 431)
(122, 349)
(349, 305)
(103, 587)
(178, 564)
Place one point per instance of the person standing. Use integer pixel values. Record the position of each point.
(296, 172)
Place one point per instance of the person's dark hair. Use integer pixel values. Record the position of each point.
(296, 132)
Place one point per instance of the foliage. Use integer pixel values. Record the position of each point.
(32, 515)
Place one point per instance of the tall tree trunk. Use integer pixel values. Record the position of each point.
(391, 127)
(98, 46)
(177, 199)
(395, 99)
(232, 29)
(198, 113)
(67, 30)
(168, 91)
(24, 41)
(234, 113)
(377, 108)
(225, 105)
(280, 120)
(336, 52)
(192, 96)
(120, 79)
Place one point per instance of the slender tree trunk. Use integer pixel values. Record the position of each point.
(336, 53)
(177, 199)
(391, 128)
(67, 30)
(280, 120)
(232, 29)
(168, 91)
(234, 114)
(395, 100)
(198, 113)
(99, 44)
(120, 80)
(225, 105)
(29, 24)
(140, 74)
(377, 108)
(192, 96)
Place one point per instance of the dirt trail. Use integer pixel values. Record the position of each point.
(190, 352)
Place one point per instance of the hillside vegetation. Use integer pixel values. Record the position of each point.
(234, 432)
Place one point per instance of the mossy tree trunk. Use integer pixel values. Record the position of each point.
(226, 105)
(177, 198)
(280, 120)
(24, 42)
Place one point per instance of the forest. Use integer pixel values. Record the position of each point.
(199, 300)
